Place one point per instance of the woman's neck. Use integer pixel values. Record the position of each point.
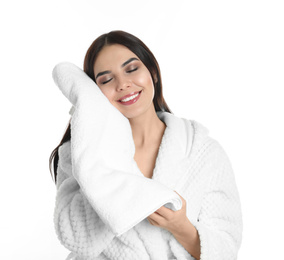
(147, 129)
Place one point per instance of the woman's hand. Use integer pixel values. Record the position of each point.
(173, 221)
(179, 225)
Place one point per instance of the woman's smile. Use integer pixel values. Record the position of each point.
(130, 99)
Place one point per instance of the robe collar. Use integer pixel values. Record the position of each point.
(174, 149)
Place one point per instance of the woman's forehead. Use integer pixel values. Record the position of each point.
(113, 54)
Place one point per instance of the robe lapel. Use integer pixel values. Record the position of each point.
(173, 152)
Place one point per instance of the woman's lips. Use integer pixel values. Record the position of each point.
(132, 101)
(128, 95)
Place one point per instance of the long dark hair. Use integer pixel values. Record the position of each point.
(142, 52)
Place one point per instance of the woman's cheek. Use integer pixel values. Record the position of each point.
(144, 79)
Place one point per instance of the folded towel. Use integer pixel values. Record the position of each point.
(102, 155)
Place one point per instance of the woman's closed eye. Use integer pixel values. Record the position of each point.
(106, 81)
(132, 70)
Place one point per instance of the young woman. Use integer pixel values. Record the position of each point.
(209, 224)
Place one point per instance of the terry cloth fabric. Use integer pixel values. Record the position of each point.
(188, 161)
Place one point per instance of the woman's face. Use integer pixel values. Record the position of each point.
(119, 72)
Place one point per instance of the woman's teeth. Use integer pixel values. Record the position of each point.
(129, 98)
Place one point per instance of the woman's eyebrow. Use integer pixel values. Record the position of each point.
(128, 61)
(123, 65)
(103, 73)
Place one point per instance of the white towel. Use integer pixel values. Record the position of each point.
(102, 155)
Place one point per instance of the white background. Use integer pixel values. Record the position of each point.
(222, 64)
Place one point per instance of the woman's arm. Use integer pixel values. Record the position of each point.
(188, 237)
(77, 225)
(219, 223)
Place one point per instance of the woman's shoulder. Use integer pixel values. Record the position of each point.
(190, 135)
(180, 123)
(191, 127)
(206, 145)
(200, 137)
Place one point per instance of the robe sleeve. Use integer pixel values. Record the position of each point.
(219, 223)
(77, 225)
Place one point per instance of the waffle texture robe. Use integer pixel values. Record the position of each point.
(103, 199)
(190, 162)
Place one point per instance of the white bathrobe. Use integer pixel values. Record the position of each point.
(189, 162)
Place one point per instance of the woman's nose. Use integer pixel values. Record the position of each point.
(123, 83)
